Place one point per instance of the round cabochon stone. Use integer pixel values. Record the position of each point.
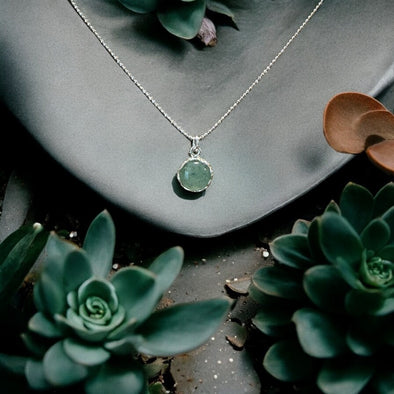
(195, 175)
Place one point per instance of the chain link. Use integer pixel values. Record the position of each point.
(159, 107)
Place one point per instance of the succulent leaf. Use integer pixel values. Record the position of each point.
(35, 375)
(292, 250)
(321, 280)
(181, 328)
(339, 239)
(13, 364)
(51, 295)
(320, 335)
(280, 282)
(125, 378)
(85, 353)
(77, 269)
(346, 375)
(286, 361)
(388, 217)
(314, 242)
(384, 199)
(140, 6)
(18, 252)
(274, 322)
(220, 8)
(182, 19)
(41, 325)
(167, 267)
(360, 302)
(59, 369)
(349, 330)
(365, 337)
(140, 298)
(375, 235)
(300, 227)
(356, 204)
(99, 244)
(333, 207)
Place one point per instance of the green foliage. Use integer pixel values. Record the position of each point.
(18, 253)
(182, 18)
(91, 330)
(329, 301)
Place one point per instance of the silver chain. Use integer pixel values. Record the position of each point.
(196, 138)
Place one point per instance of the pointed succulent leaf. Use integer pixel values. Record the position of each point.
(384, 199)
(274, 322)
(349, 273)
(286, 361)
(375, 235)
(18, 252)
(320, 335)
(183, 19)
(387, 253)
(388, 217)
(13, 364)
(339, 239)
(387, 307)
(136, 290)
(84, 353)
(76, 325)
(11, 240)
(77, 269)
(124, 346)
(35, 375)
(280, 282)
(360, 302)
(122, 378)
(345, 375)
(292, 250)
(314, 242)
(167, 267)
(181, 328)
(326, 288)
(52, 297)
(365, 335)
(356, 204)
(99, 244)
(57, 250)
(300, 227)
(41, 325)
(140, 6)
(333, 207)
(220, 8)
(59, 369)
(35, 344)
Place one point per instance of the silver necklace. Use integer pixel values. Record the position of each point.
(195, 174)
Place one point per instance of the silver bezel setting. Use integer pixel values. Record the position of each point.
(202, 161)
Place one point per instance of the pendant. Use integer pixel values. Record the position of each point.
(195, 173)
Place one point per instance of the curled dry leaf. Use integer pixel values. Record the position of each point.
(355, 122)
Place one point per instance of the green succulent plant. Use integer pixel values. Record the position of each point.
(182, 18)
(329, 299)
(18, 253)
(90, 329)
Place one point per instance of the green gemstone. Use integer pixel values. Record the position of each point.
(195, 175)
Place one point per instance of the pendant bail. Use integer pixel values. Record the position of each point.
(195, 149)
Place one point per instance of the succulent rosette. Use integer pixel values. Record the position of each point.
(90, 330)
(329, 299)
(182, 18)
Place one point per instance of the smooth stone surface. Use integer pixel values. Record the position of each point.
(195, 175)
